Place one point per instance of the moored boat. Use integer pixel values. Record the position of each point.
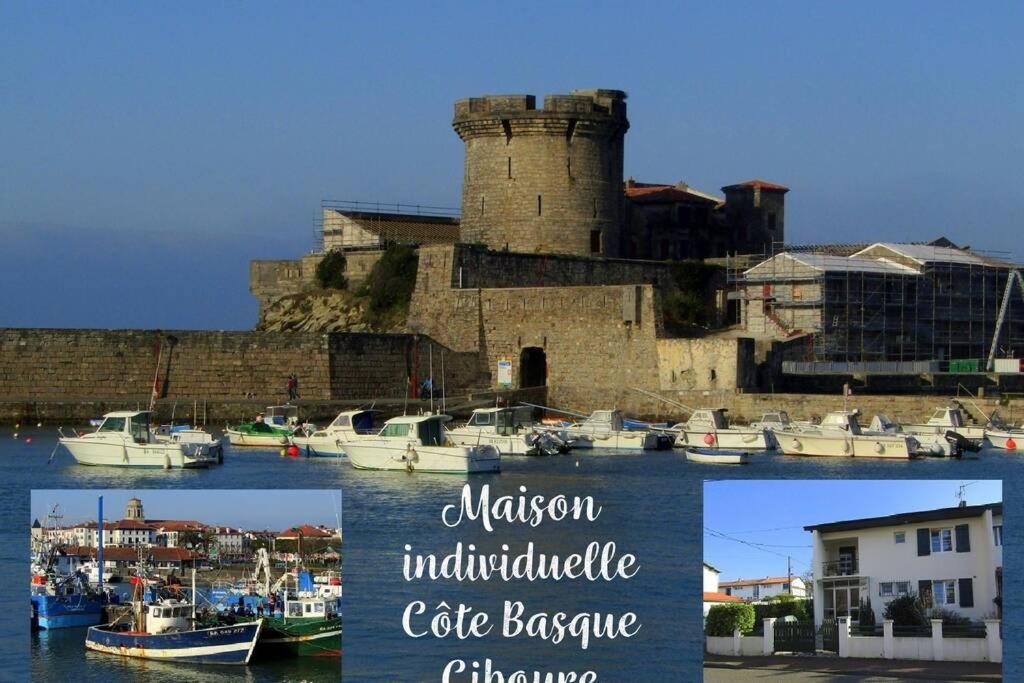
(840, 435)
(717, 456)
(124, 440)
(349, 425)
(271, 429)
(512, 430)
(606, 429)
(419, 444)
(191, 435)
(712, 428)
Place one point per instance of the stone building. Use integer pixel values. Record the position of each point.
(543, 180)
(134, 510)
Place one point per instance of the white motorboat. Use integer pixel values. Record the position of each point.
(512, 431)
(717, 456)
(1004, 436)
(124, 440)
(840, 435)
(417, 443)
(946, 419)
(191, 435)
(349, 425)
(605, 429)
(933, 444)
(711, 428)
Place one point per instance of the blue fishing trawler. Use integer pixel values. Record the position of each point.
(166, 631)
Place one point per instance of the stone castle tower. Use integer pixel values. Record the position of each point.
(134, 510)
(544, 180)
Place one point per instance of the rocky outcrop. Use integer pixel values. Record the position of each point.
(325, 310)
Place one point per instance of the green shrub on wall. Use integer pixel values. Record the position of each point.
(390, 282)
(330, 272)
(724, 619)
(688, 298)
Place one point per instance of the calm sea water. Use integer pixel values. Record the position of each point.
(651, 507)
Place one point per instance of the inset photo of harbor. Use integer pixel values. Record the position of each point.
(887, 579)
(186, 585)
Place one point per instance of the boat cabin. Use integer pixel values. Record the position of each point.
(776, 420)
(134, 424)
(606, 420)
(946, 417)
(503, 421)
(708, 420)
(168, 615)
(308, 608)
(428, 430)
(845, 420)
(282, 416)
(359, 421)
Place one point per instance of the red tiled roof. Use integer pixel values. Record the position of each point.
(177, 524)
(649, 193)
(129, 524)
(308, 531)
(758, 582)
(763, 184)
(721, 597)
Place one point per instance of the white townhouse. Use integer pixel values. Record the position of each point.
(754, 590)
(230, 542)
(951, 557)
(712, 595)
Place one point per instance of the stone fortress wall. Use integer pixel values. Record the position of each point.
(74, 364)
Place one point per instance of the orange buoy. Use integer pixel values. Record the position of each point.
(1011, 444)
(28, 439)
(709, 439)
(293, 450)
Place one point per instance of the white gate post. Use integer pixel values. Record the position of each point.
(994, 640)
(737, 642)
(843, 625)
(888, 644)
(769, 636)
(937, 640)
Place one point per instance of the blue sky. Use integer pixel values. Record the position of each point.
(774, 512)
(256, 509)
(151, 150)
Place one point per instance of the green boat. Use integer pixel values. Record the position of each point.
(310, 626)
(275, 430)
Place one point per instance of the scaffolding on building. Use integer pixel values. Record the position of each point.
(384, 219)
(937, 304)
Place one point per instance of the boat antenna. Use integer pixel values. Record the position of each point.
(670, 402)
(444, 403)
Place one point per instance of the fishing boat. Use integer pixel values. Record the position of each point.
(191, 435)
(606, 429)
(270, 429)
(309, 625)
(167, 629)
(124, 440)
(512, 431)
(717, 456)
(349, 425)
(711, 427)
(418, 443)
(66, 601)
(840, 435)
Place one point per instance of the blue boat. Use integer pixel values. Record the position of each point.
(167, 633)
(64, 611)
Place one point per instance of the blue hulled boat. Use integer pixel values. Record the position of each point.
(166, 631)
(63, 611)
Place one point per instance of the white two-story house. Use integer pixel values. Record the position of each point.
(951, 557)
(755, 590)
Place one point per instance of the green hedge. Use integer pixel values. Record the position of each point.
(784, 606)
(724, 619)
(330, 272)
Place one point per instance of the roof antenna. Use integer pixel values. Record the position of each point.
(961, 494)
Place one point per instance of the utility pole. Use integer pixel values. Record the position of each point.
(789, 573)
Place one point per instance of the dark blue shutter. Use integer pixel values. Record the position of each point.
(966, 593)
(963, 538)
(924, 542)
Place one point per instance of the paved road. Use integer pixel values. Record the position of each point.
(729, 676)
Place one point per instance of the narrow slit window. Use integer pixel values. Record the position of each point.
(510, 167)
(539, 205)
(481, 205)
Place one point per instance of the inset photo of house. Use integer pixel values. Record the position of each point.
(178, 583)
(848, 577)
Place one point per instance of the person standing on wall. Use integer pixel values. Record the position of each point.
(293, 387)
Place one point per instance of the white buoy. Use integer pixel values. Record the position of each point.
(15, 435)
(39, 424)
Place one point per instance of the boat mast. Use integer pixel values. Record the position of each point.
(99, 543)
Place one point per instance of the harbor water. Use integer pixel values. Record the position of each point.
(651, 507)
